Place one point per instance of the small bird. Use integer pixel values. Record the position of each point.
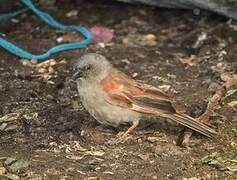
(113, 98)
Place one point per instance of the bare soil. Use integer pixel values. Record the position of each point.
(59, 138)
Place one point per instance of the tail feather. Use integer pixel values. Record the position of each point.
(193, 124)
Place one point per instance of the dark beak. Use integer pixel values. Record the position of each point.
(77, 75)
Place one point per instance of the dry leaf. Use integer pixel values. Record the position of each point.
(189, 61)
(233, 104)
(229, 79)
(95, 153)
(149, 40)
(102, 34)
(74, 157)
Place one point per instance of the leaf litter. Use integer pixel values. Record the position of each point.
(221, 162)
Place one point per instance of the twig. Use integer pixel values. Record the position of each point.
(212, 105)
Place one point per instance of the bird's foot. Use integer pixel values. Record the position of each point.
(121, 138)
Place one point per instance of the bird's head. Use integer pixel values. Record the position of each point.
(91, 66)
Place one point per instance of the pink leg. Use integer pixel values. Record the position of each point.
(122, 137)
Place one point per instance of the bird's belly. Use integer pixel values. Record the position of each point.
(106, 113)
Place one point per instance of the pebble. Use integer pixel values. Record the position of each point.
(19, 165)
(10, 128)
(108, 172)
(2, 170)
(139, 141)
(152, 139)
(72, 13)
(144, 157)
(213, 87)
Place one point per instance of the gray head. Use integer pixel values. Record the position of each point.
(91, 66)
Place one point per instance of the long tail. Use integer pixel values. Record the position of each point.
(191, 123)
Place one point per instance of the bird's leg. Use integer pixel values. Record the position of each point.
(123, 136)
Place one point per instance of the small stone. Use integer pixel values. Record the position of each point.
(144, 157)
(95, 153)
(9, 161)
(233, 145)
(74, 157)
(152, 139)
(72, 13)
(3, 126)
(52, 144)
(98, 168)
(135, 75)
(82, 133)
(108, 172)
(233, 104)
(139, 141)
(126, 61)
(149, 40)
(19, 165)
(51, 70)
(59, 39)
(10, 128)
(213, 87)
(101, 44)
(165, 88)
(50, 97)
(149, 37)
(11, 177)
(42, 70)
(2, 171)
(91, 178)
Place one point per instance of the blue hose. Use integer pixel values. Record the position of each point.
(49, 20)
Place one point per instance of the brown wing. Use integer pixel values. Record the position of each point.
(125, 92)
(128, 93)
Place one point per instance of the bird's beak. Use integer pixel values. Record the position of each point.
(77, 75)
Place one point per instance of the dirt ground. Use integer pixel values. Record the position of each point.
(48, 128)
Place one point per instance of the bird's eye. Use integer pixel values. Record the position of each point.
(87, 67)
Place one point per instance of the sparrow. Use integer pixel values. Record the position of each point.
(113, 98)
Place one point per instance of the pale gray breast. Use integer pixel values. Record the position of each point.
(94, 100)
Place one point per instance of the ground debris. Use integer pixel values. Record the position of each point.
(45, 70)
(72, 13)
(221, 162)
(201, 38)
(8, 122)
(102, 34)
(153, 139)
(95, 153)
(9, 117)
(205, 117)
(233, 104)
(144, 157)
(10, 167)
(69, 37)
(190, 61)
(230, 80)
(192, 178)
(211, 106)
(176, 32)
(136, 40)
